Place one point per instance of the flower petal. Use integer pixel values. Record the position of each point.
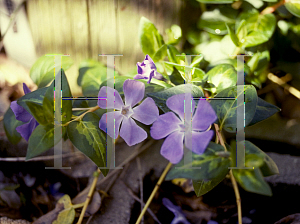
(134, 92)
(26, 130)
(172, 148)
(204, 116)
(157, 75)
(102, 103)
(131, 132)
(111, 116)
(20, 113)
(200, 141)
(147, 112)
(148, 61)
(165, 125)
(138, 76)
(151, 75)
(177, 104)
(26, 89)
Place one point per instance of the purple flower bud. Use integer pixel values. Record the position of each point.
(21, 114)
(147, 70)
(173, 127)
(146, 112)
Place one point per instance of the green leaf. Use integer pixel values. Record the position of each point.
(92, 79)
(160, 98)
(226, 109)
(252, 181)
(150, 38)
(268, 167)
(293, 8)
(172, 52)
(263, 111)
(212, 165)
(67, 215)
(176, 77)
(10, 124)
(42, 72)
(256, 3)
(214, 21)
(89, 139)
(216, 1)
(48, 104)
(66, 110)
(233, 36)
(201, 187)
(241, 31)
(222, 76)
(37, 112)
(41, 139)
(195, 72)
(174, 34)
(196, 61)
(160, 54)
(36, 96)
(260, 28)
(86, 65)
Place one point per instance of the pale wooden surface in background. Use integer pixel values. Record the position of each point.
(86, 28)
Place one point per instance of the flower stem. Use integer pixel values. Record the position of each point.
(92, 109)
(272, 8)
(236, 52)
(89, 196)
(162, 177)
(235, 186)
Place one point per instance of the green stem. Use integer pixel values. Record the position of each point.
(235, 53)
(92, 109)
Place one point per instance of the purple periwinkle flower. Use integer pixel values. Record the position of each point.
(21, 114)
(146, 112)
(173, 127)
(147, 70)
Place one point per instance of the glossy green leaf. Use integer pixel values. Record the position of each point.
(226, 109)
(241, 31)
(160, 54)
(160, 98)
(222, 76)
(252, 181)
(48, 104)
(260, 27)
(172, 52)
(256, 3)
(195, 72)
(10, 124)
(41, 139)
(42, 72)
(233, 36)
(66, 110)
(174, 34)
(201, 187)
(86, 65)
(67, 215)
(293, 7)
(263, 111)
(37, 112)
(149, 37)
(214, 22)
(36, 96)
(92, 79)
(176, 78)
(89, 139)
(212, 165)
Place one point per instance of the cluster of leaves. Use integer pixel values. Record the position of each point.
(252, 31)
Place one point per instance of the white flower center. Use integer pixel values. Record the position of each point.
(127, 111)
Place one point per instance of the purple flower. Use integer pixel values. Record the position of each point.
(21, 114)
(146, 112)
(178, 213)
(170, 126)
(147, 70)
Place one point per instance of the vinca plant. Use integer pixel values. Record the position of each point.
(188, 100)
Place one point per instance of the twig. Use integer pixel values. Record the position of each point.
(235, 186)
(142, 203)
(138, 161)
(287, 87)
(162, 177)
(92, 109)
(89, 196)
(272, 86)
(40, 158)
(80, 109)
(272, 8)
